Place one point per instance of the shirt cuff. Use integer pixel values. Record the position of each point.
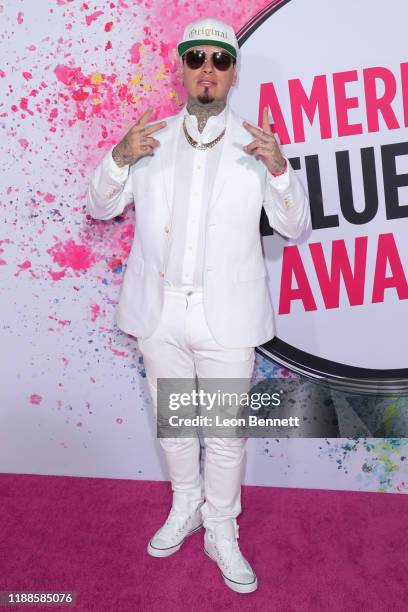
(117, 173)
(281, 180)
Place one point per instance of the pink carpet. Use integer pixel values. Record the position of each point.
(311, 549)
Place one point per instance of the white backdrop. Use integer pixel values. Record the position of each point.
(74, 399)
(322, 43)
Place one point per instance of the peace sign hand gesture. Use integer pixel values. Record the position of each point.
(137, 143)
(265, 147)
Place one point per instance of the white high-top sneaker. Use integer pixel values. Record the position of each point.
(221, 545)
(179, 524)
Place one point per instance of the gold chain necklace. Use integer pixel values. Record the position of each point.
(201, 145)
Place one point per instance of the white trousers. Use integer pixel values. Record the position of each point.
(182, 346)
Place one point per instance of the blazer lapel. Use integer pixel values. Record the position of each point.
(168, 151)
(228, 153)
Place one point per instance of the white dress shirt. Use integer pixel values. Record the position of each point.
(193, 181)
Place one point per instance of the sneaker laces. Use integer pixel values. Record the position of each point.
(228, 551)
(177, 520)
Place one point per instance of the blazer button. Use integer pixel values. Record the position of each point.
(161, 274)
(166, 229)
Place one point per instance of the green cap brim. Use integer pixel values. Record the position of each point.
(185, 46)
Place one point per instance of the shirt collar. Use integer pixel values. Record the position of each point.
(213, 127)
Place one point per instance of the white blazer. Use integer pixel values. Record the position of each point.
(237, 303)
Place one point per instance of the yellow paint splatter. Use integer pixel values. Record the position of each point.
(135, 80)
(389, 414)
(96, 78)
(163, 73)
(96, 101)
(389, 466)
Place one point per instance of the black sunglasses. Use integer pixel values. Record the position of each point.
(221, 59)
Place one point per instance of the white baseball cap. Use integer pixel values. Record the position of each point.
(209, 31)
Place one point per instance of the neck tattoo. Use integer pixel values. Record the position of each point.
(204, 110)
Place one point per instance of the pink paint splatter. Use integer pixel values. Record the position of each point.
(135, 53)
(56, 275)
(67, 75)
(119, 420)
(286, 373)
(20, 17)
(35, 399)
(93, 17)
(27, 76)
(71, 255)
(53, 115)
(108, 97)
(24, 266)
(24, 143)
(62, 322)
(80, 95)
(116, 351)
(95, 309)
(49, 197)
(115, 265)
(4, 241)
(24, 106)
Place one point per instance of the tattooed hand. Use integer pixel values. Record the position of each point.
(137, 143)
(265, 147)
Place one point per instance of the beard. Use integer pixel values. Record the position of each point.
(205, 97)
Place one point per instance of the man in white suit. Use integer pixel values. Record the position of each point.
(195, 290)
